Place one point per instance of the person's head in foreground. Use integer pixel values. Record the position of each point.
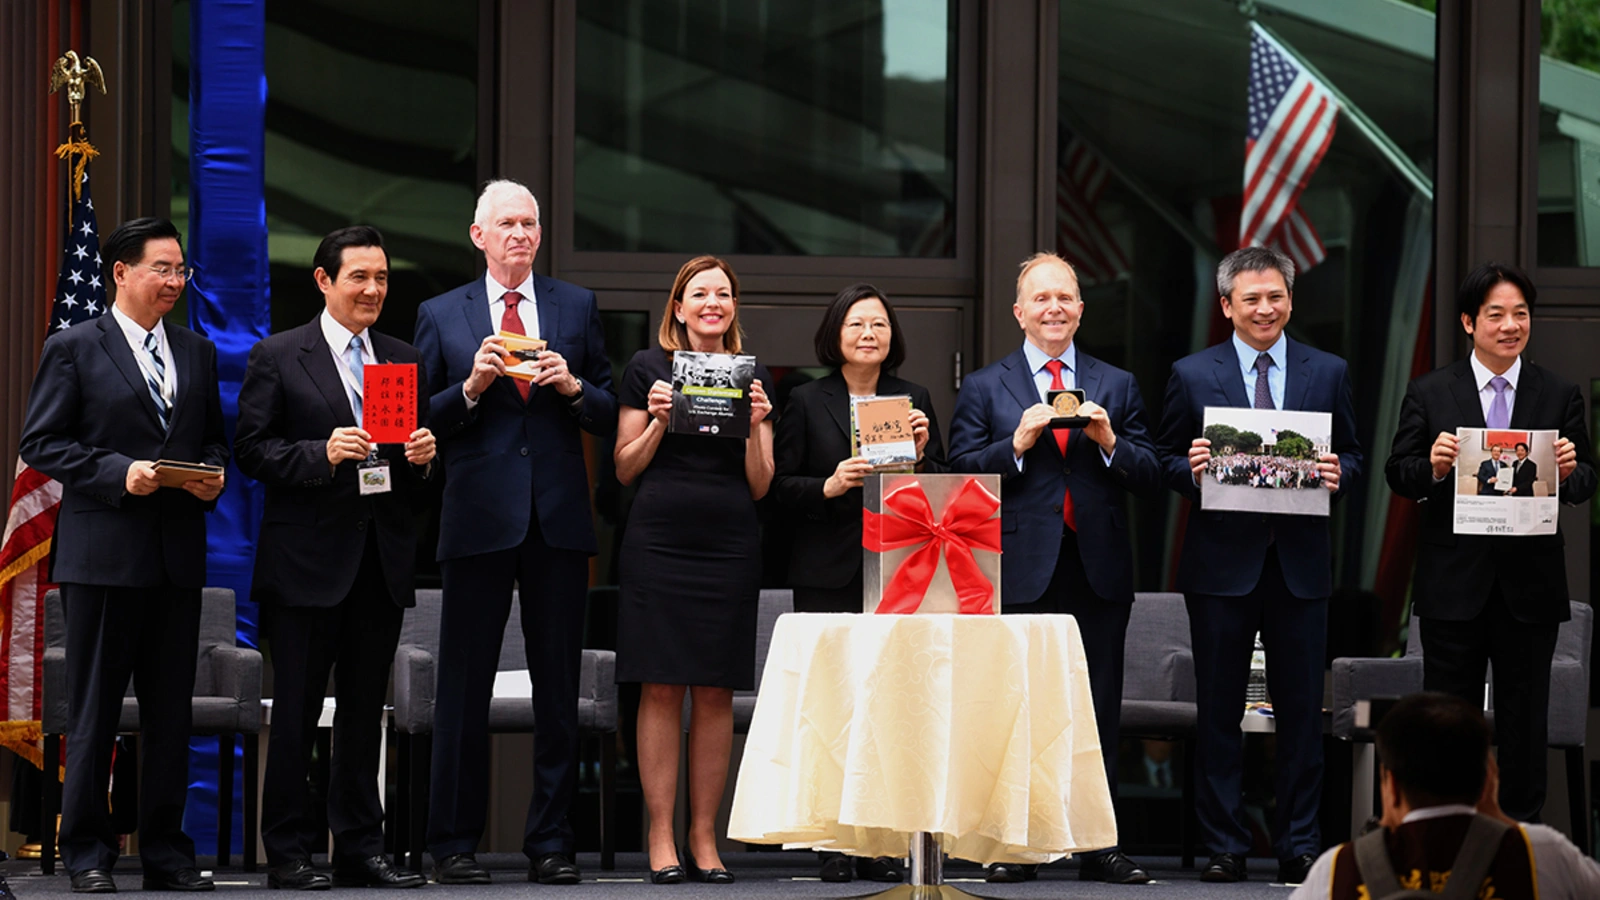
(1435, 752)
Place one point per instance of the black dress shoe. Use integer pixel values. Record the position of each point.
(885, 869)
(709, 876)
(554, 868)
(1112, 868)
(460, 868)
(1294, 871)
(297, 875)
(178, 880)
(672, 874)
(93, 881)
(838, 868)
(375, 871)
(1010, 873)
(1224, 867)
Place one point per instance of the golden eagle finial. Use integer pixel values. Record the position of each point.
(69, 71)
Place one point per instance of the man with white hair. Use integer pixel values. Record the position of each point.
(516, 512)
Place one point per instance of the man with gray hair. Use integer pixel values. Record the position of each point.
(1244, 573)
(516, 512)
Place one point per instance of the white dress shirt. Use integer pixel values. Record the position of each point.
(338, 338)
(1482, 376)
(1279, 352)
(135, 334)
(1560, 868)
(527, 310)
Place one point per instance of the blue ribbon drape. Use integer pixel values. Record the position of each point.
(229, 302)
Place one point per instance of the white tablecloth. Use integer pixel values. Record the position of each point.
(979, 728)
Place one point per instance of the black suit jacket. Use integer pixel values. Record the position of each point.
(1486, 470)
(813, 436)
(1456, 571)
(1523, 474)
(90, 416)
(314, 530)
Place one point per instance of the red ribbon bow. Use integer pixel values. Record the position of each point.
(966, 525)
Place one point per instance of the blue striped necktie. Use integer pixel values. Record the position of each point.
(352, 358)
(163, 410)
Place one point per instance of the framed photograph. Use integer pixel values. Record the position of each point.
(1506, 482)
(1265, 461)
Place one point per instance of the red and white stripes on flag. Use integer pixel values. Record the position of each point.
(1296, 238)
(1291, 122)
(1081, 235)
(24, 579)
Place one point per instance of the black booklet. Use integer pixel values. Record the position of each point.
(711, 394)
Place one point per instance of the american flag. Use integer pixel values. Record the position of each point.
(1297, 238)
(1292, 117)
(35, 499)
(1081, 235)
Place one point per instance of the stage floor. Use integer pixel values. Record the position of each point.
(764, 874)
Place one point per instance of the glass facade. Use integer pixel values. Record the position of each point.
(1569, 134)
(766, 127)
(371, 119)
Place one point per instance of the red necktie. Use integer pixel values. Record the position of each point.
(1062, 435)
(511, 322)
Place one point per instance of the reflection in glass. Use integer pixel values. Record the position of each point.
(1569, 134)
(1152, 131)
(371, 118)
(774, 128)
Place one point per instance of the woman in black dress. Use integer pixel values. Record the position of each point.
(818, 483)
(691, 567)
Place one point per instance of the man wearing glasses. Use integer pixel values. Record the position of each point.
(112, 396)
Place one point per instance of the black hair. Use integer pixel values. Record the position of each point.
(1523, 446)
(832, 327)
(1475, 287)
(1437, 746)
(330, 253)
(126, 243)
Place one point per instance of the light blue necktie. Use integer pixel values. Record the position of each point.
(163, 410)
(352, 358)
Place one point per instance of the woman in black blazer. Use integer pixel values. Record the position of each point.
(818, 483)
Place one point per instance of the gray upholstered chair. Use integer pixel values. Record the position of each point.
(1158, 689)
(227, 703)
(1357, 679)
(415, 678)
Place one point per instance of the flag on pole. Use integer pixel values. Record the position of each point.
(1291, 122)
(35, 499)
(1081, 235)
(1299, 240)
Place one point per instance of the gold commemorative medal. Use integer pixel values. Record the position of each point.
(1065, 403)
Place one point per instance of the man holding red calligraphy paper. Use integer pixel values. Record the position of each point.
(336, 558)
(1064, 527)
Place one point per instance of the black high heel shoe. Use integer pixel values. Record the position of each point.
(708, 876)
(673, 874)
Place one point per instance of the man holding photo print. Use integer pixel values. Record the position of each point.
(1244, 572)
(1492, 598)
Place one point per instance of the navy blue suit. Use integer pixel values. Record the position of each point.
(1046, 567)
(516, 508)
(1246, 572)
(130, 568)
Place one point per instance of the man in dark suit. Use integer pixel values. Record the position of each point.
(516, 509)
(113, 396)
(1064, 526)
(1489, 472)
(1524, 472)
(1490, 598)
(335, 560)
(1244, 573)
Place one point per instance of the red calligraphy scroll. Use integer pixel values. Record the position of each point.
(389, 402)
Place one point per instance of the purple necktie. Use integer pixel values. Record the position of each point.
(1499, 414)
(1263, 390)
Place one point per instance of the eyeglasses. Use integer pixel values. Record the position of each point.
(167, 273)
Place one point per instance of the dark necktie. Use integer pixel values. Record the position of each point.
(1263, 390)
(163, 410)
(512, 323)
(1062, 436)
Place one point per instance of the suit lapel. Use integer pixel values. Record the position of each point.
(1525, 409)
(475, 307)
(549, 312)
(1464, 388)
(1229, 379)
(1296, 375)
(836, 398)
(1088, 378)
(184, 365)
(116, 346)
(1019, 380)
(316, 359)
